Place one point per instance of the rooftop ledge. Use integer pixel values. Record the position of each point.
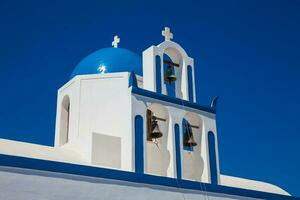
(140, 178)
(136, 90)
(173, 100)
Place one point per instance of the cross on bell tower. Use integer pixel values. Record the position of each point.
(116, 41)
(167, 34)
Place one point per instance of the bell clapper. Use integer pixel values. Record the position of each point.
(155, 141)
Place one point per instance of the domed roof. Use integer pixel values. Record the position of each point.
(109, 60)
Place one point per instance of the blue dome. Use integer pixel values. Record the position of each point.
(109, 60)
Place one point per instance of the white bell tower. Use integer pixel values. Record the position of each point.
(156, 59)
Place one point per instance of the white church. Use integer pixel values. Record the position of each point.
(128, 127)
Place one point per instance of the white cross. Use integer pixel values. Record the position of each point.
(115, 42)
(167, 34)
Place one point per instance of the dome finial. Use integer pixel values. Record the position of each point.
(167, 34)
(116, 41)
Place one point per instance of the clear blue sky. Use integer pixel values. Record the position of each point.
(247, 52)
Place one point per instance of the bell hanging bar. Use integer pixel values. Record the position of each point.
(158, 118)
(171, 63)
(194, 126)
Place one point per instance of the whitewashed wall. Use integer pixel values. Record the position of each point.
(179, 56)
(198, 168)
(100, 107)
(20, 184)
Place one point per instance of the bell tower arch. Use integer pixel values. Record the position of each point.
(64, 120)
(176, 75)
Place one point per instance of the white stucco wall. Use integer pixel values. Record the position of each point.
(196, 168)
(251, 185)
(194, 157)
(159, 157)
(100, 104)
(20, 184)
(22, 149)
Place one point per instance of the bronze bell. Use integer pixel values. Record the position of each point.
(169, 75)
(155, 133)
(189, 138)
(191, 142)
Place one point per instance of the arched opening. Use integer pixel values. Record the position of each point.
(65, 120)
(158, 74)
(173, 63)
(190, 83)
(157, 153)
(212, 158)
(169, 69)
(139, 144)
(193, 163)
(188, 135)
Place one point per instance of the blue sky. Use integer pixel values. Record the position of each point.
(246, 52)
